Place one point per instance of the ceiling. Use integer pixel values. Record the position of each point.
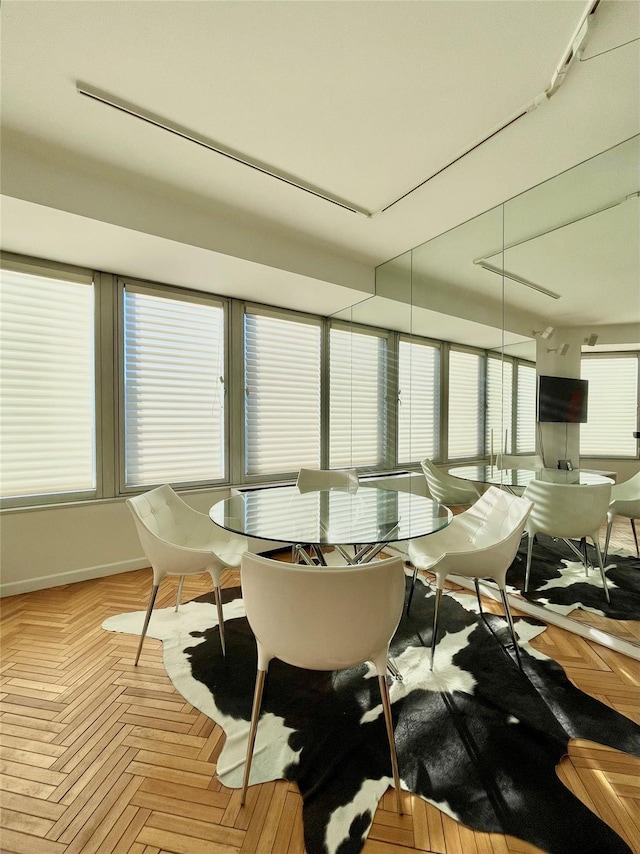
(358, 101)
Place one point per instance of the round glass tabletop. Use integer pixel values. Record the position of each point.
(521, 477)
(328, 517)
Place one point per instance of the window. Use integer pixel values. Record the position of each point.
(612, 413)
(526, 409)
(465, 409)
(418, 401)
(47, 327)
(499, 402)
(174, 424)
(282, 361)
(358, 406)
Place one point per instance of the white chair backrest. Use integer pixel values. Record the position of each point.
(322, 619)
(520, 461)
(628, 491)
(446, 489)
(312, 480)
(571, 511)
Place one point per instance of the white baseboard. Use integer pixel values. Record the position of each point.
(42, 582)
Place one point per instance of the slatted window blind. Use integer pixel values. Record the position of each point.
(358, 406)
(465, 404)
(499, 406)
(526, 409)
(418, 401)
(282, 393)
(174, 424)
(48, 385)
(612, 413)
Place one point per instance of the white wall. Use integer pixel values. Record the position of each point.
(47, 546)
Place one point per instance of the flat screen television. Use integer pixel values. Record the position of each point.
(562, 399)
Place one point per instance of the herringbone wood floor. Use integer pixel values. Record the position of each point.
(99, 756)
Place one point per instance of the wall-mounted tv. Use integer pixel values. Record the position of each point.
(562, 399)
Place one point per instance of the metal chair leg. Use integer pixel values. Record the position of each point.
(608, 537)
(476, 582)
(255, 714)
(179, 595)
(635, 535)
(218, 596)
(529, 556)
(434, 636)
(152, 599)
(601, 565)
(413, 587)
(386, 705)
(507, 612)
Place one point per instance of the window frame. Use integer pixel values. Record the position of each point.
(617, 354)
(182, 295)
(82, 275)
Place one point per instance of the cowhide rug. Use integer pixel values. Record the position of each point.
(558, 580)
(476, 737)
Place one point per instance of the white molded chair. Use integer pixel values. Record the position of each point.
(567, 512)
(178, 540)
(479, 543)
(520, 461)
(313, 480)
(625, 501)
(321, 620)
(447, 489)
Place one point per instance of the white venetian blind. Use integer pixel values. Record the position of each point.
(418, 401)
(282, 393)
(465, 404)
(499, 403)
(173, 389)
(47, 385)
(612, 413)
(526, 409)
(358, 408)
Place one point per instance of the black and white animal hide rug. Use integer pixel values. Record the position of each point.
(559, 582)
(476, 737)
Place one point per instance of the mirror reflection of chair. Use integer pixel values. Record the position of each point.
(520, 461)
(481, 542)
(625, 501)
(178, 540)
(321, 620)
(447, 489)
(567, 512)
(313, 480)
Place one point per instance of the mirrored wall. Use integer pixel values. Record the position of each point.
(500, 280)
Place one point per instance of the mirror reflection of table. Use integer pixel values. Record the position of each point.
(366, 517)
(521, 477)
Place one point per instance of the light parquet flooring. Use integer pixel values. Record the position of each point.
(101, 757)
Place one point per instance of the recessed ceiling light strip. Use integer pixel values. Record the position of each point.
(191, 136)
(491, 269)
(572, 52)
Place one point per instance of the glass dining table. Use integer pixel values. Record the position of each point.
(519, 478)
(366, 518)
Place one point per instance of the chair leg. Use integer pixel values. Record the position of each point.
(413, 587)
(601, 565)
(608, 537)
(255, 714)
(529, 556)
(386, 705)
(476, 582)
(635, 535)
(152, 599)
(218, 598)
(434, 636)
(179, 596)
(507, 612)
